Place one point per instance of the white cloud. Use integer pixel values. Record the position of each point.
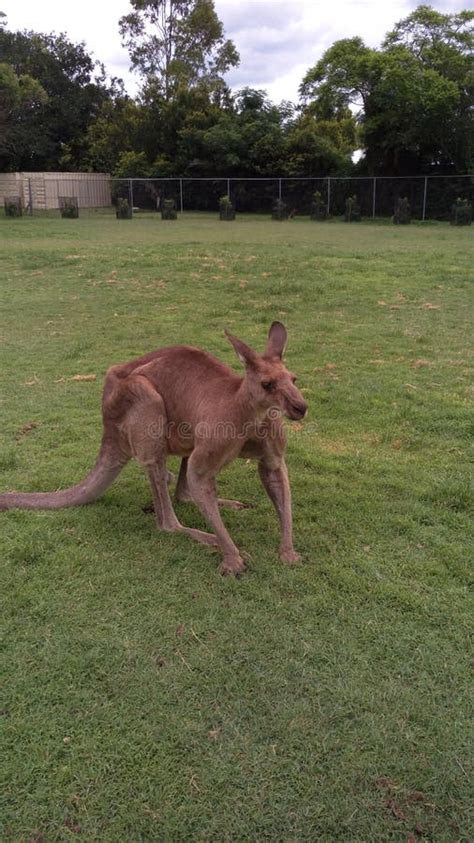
(278, 40)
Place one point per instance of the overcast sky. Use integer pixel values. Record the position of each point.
(278, 40)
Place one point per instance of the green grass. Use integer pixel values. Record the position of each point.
(147, 698)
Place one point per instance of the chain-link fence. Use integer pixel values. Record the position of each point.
(429, 197)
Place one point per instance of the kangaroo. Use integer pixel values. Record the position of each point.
(182, 401)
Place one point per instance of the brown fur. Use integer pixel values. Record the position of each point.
(183, 401)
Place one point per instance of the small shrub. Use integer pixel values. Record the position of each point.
(168, 210)
(13, 206)
(402, 214)
(123, 210)
(461, 212)
(352, 212)
(279, 210)
(318, 207)
(226, 209)
(69, 207)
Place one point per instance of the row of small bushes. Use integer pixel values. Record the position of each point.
(461, 211)
(169, 212)
(68, 206)
(123, 210)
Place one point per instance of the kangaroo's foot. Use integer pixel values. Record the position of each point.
(200, 536)
(225, 503)
(183, 494)
(232, 566)
(290, 557)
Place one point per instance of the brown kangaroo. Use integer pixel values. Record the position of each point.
(181, 400)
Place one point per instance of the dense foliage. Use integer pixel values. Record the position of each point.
(414, 97)
(409, 104)
(51, 92)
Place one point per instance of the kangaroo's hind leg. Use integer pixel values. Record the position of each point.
(202, 486)
(144, 428)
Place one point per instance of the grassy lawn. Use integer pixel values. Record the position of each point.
(144, 696)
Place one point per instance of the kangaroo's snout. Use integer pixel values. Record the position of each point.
(296, 410)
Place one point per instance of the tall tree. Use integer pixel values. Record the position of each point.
(53, 137)
(412, 98)
(443, 44)
(437, 39)
(246, 138)
(116, 132)
(177, 42)
(21, 97)
(318, 147)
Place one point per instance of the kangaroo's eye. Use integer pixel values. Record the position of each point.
(268, 386)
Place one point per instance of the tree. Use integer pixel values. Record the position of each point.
(262, 127)
(437, 39)
(177, 42)
(116, 131)
(20, 99)
(344, 76)
(53, 137)
(317, 147)
(244, 138)
(412, 98)
(413, 112)
(443, 44)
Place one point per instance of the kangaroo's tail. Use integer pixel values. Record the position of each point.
(110, 462)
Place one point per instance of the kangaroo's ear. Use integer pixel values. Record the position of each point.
(277, 339)
(245, 354)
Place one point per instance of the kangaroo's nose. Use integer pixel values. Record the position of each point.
(302, 407)
(299, 408)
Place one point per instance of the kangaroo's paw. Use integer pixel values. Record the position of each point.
(232, 566)
(200, 536)
(229, 504)
(290, 557)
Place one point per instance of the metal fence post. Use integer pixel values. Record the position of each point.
(425, 191)
(30, 197)
(373, 197)
(130, 194)
(181, 194)
(329, 195)
(228, 188)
